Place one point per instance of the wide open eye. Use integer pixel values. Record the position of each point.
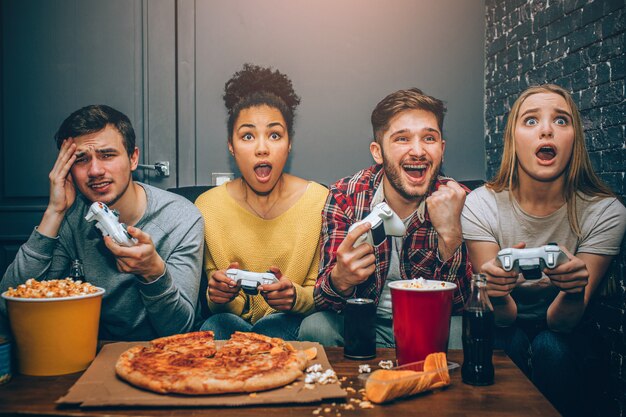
(561, 121)
(530, 121)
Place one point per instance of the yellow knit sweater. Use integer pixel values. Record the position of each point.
(289, 241)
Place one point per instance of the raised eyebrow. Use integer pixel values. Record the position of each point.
(432, 130)
(246, 125)
(399, 132)
(535, 110)
(564, 112)
(274, 124)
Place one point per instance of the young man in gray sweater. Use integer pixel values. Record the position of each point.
(151, 287)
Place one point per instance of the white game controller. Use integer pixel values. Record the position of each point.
(250, 281)
(384, 223)
(531, 261)
(108, 223)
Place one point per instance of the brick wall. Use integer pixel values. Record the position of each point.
(579, 45)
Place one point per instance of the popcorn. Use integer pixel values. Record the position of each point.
(422, 283)
(311, 378)
(53, 288)
(328, 377)
(316, 375)
(366, 404)
(386, 364)
(365, 369)
(314, 368)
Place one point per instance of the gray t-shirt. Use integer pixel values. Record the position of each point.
(498, 218)
(131, 308)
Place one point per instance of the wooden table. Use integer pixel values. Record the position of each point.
(512, 395)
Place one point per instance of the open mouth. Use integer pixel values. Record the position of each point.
(546, 152)
(416, 170)
(263, 170)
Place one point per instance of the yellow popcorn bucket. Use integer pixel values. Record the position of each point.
(55, 336)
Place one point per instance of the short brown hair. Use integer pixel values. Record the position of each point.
(94, 118)
(402, 100)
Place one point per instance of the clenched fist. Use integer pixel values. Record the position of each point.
(444, 208)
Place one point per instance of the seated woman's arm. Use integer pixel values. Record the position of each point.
(577, 281)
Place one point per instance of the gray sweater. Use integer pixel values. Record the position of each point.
(131, 308)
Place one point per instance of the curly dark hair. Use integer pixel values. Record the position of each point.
(257, 86)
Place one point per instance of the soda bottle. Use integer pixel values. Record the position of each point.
(478, 335)
(76, 270)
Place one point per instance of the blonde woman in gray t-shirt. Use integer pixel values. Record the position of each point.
(545, 191)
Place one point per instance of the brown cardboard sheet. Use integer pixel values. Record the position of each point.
(100, 387)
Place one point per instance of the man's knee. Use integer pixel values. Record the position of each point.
(324, 327)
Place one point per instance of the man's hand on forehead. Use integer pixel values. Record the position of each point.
(62, 192)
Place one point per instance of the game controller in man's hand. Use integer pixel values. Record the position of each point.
(107, 221)
(531, 261)
(384, 223)
(250, 281)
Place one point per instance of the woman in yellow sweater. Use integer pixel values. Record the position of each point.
(264, 220)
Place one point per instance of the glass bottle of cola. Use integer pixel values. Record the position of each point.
(76, 270)
(478, 335)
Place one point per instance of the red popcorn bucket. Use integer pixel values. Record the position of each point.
(421, 317)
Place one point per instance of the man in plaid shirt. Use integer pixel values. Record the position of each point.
(408, 151)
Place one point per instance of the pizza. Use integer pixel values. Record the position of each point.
(191, 364)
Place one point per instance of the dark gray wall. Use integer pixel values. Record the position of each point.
(343, 57)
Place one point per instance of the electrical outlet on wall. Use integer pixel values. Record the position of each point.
(219, 178)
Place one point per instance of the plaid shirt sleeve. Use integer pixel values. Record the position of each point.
(458, 270)
(335, 224)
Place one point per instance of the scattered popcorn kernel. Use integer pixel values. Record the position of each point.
(365, 369)
(386, 364)
(366, 404)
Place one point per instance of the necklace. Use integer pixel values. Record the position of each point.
(245, 199)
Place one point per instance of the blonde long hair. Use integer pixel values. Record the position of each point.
(579, 175)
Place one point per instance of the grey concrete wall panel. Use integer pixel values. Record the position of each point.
(343, 57)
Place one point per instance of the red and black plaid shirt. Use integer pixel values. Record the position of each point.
(348, 202)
